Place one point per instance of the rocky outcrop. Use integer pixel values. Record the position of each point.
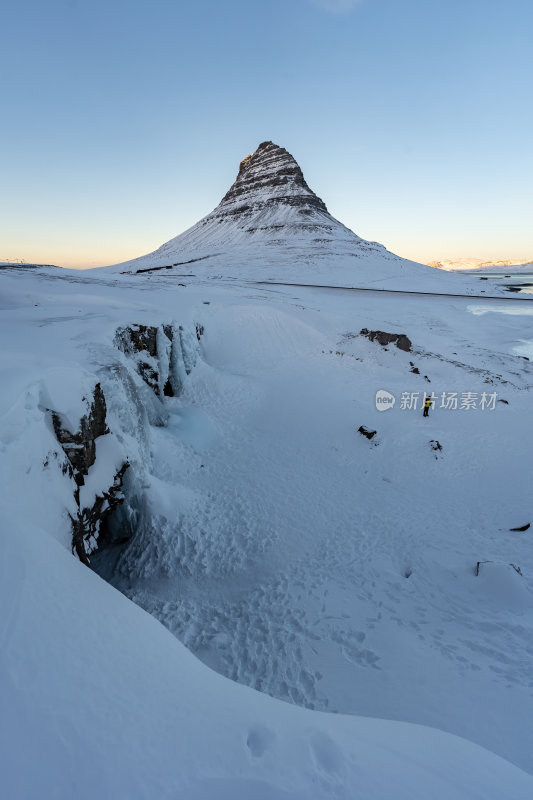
(79, 447)
(88, 526)
(364, 431)
(140, 341)
(436, 447)
(164, 354)
(401, 341)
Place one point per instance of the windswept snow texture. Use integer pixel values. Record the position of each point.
(98, 700)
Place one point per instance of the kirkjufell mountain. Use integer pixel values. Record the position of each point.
(270, 225)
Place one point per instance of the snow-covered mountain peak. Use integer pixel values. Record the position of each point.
(270, 225)
(269, 206)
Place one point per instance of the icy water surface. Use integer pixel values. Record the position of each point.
(519, 283)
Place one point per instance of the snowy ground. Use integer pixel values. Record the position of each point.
(284, 549)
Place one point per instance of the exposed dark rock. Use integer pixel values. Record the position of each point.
(169, 266)
(501, 400)
(364, 431)
(401, 341)
(79, 447)
(138, 338)
(436, 446)
(522, 528)
(88, 523)
(415, 370)
(269, 177)
(164, 354)
(142, 340)
(80, 450)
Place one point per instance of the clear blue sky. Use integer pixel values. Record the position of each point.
(124, 121)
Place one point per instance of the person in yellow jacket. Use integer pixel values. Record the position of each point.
(427, 405)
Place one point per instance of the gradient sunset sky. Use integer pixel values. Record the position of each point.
(124, 121)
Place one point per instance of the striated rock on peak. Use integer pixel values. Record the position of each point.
(269, 177)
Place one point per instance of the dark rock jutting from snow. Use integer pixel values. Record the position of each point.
(364, 431)
(80, 447)
(164, 354)
(89, 523)
(436, 447)
(141, 339)
(401, 341)
(80, 450)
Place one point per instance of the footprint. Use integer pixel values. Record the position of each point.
(260, 739)
(327, 755)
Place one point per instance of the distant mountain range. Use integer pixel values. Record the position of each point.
(478, 263)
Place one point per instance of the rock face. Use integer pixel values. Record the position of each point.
(93, 458)
(164, 354)
(80, 449)
(401, 341)
(267, 178)
(89, 523)
(140, 341)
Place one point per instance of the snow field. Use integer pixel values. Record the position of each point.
(284, 549)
